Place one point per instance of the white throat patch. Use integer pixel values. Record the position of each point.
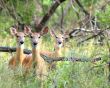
(21, 45)
(60, 45)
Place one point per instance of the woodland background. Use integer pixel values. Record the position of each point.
(60, 15)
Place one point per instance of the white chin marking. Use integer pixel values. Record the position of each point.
(21, 45)
(60, 45)
(34, 46)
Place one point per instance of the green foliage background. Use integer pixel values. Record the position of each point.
(67, 74)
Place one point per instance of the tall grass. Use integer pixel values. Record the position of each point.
(66, 75)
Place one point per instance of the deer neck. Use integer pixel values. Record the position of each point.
(35, 53)
(20, 53)
(58, 50)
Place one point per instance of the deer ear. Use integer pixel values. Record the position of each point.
(13, 31)
(66, 34)
(27, 30)
(52, 33)
(45, 31)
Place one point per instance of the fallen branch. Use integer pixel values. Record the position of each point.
(49, 59)
(71, 59)
(9, 49)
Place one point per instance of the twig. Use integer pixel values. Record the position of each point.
(81, 6)
(93, 36)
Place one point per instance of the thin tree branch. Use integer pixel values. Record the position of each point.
(91, 18)
(81, 6)
(91, 37)
(62, 18)
(48, 15)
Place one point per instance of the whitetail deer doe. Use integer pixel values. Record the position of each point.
(19, 56)
(35, 60)
(59, 43)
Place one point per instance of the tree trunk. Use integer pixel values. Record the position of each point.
(38, 27)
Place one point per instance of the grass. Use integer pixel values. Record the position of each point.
(67, 74)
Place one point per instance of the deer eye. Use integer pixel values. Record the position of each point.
(31, 36)
(39, 37)
(56, 37)
(17, 36)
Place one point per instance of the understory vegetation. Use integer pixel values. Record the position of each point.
(67, 17)
(67, 74)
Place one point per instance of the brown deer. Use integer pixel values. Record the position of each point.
(19, 56)
(35, 60)
(59, 43)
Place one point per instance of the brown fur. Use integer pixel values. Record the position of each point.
(18, 58)
(58, 50)
(35, 58)
(41, 67)
(56, 53)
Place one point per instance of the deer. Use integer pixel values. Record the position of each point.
(18, 58)
(58, 46)
(34, 60)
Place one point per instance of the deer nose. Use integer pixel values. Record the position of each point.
(35, 43)
(59, 42)
(21, 42)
